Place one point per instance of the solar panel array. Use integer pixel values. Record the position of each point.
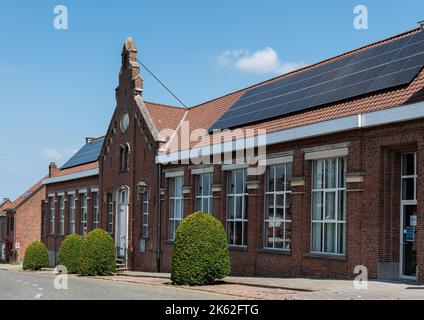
(380, 67)
(90, 152)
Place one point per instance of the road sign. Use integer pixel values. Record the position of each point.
(17, 243)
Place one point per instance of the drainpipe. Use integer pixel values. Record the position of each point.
(159, 174)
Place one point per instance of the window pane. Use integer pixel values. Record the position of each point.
(318, 177)
(206, 184)
(317, 205)
(280, 177)
(231, 182)
(230, 207)
(279, 207)
(238, 235)
(269, 234)
(341, 206)
(408, 164)
(172, 187)
(199, 187)
(230, 232)
(288, 207)
(171, 208)
(145, 219)
(244, 233)
(341, 238)
(206, 205)
(270, 179)
(330, 205)
(199, 204)
(269, 210)
(171, 229)
(239, 207)
(330, 237)
(408, 189)
(316, 236)
(330, 173)
(279, 235)
(240, 181)
(178, 208)
(177, 224)
(179, 187)
(342, 173)
(289, 169)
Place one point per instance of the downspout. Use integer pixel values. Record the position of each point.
(159, 231)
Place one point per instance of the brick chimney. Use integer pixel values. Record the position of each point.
(53, 170)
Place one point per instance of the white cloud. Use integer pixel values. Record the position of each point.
(57, 155)
(259, 62)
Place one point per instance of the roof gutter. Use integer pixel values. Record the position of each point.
(375, 118)
(72, 176)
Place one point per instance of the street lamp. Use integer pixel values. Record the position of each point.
(141, 187)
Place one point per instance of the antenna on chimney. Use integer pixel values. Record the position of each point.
(421, 23)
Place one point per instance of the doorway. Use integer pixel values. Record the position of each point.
(408, 216)
(122, 224)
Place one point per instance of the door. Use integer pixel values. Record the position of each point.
(122, 223)
(408, 217)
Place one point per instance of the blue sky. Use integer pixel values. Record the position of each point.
(57, 86)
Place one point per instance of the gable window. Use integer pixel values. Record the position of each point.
(204, 192)
(236, 208)
(277, 207)
(124, 151)
(52, 214)
(95, 210)
(329, 206)
(175, 205)
(72, 205)
(110, 213)
(61, 215)
(84, 213)
(145, 216)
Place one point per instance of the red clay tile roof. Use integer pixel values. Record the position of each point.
(83, 167)
(30, 192)
(204, 115)
(165, 116)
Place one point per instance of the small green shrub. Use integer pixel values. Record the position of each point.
(200, 251)
(69, 252)
(36, 256)
(98, 255)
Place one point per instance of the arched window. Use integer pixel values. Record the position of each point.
(124, 151)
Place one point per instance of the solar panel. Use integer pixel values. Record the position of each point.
(88, 153)
(381, 67)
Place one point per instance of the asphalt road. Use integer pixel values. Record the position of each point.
(36, 286)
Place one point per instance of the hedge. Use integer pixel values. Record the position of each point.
(200, 251)
(69, 252)
(36, 256)
(97, 255)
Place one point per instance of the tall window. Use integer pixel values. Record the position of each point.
(204, 192)
(84, 213)
(72, 205)
(329, 206)
(43, 224)
(95, 210)
(52, 214)
(175, 205)
(61, 215)
(124, 151)
(145, 217)
(277, 207)
(236, 211)
(110, 212)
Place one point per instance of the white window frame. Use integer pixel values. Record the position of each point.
(203, 196)
(61, 215)
(145, 216)
(285, 193)
(325, 220)
(174, 220)
(52, 215)
(414, 176)
(110, 213)
(96, 211)
(84, 213)
(232, 222)
(72, 209)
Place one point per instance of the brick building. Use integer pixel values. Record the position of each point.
(340, 183)
(20, 219)
(71, 200)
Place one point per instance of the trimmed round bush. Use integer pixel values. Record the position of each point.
(36, 256)
(200, 251)
(97, 255)
(69, 252)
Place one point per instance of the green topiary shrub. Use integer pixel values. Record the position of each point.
(98, 255)
(36, 256)
(200, 251)
(69, 252)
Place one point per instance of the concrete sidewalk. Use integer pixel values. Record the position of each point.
(320, 289)
(10, 267)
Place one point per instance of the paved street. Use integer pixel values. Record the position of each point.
(33, 286)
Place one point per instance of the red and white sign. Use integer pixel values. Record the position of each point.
(17, 243)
